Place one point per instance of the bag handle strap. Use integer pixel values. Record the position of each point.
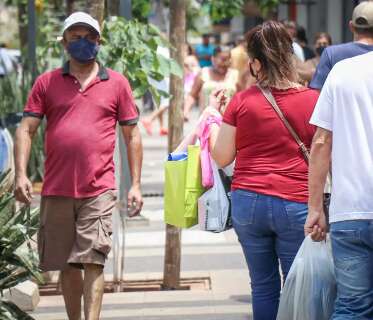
(272, 101)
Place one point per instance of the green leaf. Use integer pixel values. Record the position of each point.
(176, 69)
(164, 66)
(14, 311)
(18, 262)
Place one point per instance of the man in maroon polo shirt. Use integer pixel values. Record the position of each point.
(82, 102)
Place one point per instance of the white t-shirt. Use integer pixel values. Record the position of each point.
(345, 107)
(298, 51)
(6, 63)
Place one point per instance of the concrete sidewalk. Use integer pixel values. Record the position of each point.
(217, 256)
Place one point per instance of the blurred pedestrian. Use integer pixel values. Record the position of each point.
(7, 65)
(344, 117)
(191, 70)
(361, 26)
(219, 76)
(205, 51)
(164, 103)
(308, 68)
(269, 189)
(291, 27)
(322, 41)
(83, 101)
(240, 61)
(239, 55)
(303, 42)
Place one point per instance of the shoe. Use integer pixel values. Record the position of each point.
(163, 132)
(148, 126)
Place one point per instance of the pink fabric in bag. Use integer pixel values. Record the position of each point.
(204, 134)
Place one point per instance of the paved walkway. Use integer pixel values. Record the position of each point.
(217, 256)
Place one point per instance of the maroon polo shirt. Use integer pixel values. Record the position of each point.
(80, 131)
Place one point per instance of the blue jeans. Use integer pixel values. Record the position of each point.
(270, 229)
(352, 245)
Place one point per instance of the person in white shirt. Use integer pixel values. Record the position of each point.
(344, 138)
(291, 27)
(6, 62)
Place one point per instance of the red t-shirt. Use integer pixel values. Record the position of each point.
(268, 159)
(80, 131)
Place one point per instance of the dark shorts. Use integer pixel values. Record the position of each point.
(75, 231)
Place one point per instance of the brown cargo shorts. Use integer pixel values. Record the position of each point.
(75, 231)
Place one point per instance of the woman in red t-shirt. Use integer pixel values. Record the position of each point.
(269, 190)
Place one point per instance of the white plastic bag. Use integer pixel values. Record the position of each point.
(213, 206)
(310, 288)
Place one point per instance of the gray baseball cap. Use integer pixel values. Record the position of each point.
(81, 18)
(362, 16)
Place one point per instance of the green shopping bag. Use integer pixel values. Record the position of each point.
(183, 187)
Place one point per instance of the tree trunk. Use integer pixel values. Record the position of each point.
(96, 8)
(113, 7)
(171, 276)
(22, 23)
(69, 7)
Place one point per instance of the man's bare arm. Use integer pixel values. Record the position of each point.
(318, 171)
(133, 142)
(24, 135)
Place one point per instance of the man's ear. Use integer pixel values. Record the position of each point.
(351, 26)
(63, 41)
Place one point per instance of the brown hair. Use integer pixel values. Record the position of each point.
(326, 35)
(271, 44)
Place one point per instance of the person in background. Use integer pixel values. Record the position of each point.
(344, 139)
(361, 26)
(308, 68)
(303, 42)
(83, 102)
(7, 65)
(269, 189)
(240, 61)
(191, 70)
(291, 27)
(219, 76)
(205, 51)
(164, 103)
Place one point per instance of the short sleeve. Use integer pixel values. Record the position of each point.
(230, 114)
(322, 71)
(35, 105)
(323, 114)
(128, 113)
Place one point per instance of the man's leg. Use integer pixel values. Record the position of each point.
(91, 247)
(353, 259)
(93, 291)
(56, 238)
(72, 290)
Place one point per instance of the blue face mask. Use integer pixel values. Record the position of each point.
(83, 50)
(320, 50)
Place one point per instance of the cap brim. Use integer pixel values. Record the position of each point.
(82, 24)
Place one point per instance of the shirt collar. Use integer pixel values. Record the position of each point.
(102, 71)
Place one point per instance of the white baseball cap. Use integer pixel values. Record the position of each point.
(81, 18)
(362, 16)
